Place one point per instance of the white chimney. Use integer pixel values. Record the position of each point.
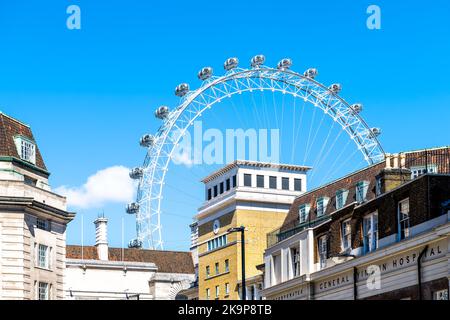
(101, 238)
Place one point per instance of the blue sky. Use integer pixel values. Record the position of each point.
(90, 94)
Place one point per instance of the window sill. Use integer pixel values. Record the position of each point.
(217, 275)
(44, 269)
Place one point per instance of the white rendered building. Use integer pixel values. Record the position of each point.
(102, 273)
(33, 219)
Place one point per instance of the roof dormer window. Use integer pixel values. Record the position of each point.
(26, 149)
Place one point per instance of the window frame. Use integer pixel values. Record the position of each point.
(403, 232)
(217, 292)
(324, 204)
(46, 287)
(306, 207)
(441, 295)
(370, 235)
(361, 197)
(346, 234)
(341, 193)
(300, 181)
(43, 256)
(227, 265)
(322, 243)
(273, 183)
(283, 183)
(247, 180)
(258, 180)
(295, 261)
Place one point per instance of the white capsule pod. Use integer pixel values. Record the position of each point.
(147, 140)
(357, 108)
(231, 63)
(284, 64)
(135, 244)
(258, 60)
(181, 90)
(335, 88)
(136, 173)
(162, 112)
(375, 131)
(132, 208)
(311, 73)
(205, 73)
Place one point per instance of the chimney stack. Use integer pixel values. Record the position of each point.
(395, 172)
(101, 238)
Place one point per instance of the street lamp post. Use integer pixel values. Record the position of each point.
(241, 229)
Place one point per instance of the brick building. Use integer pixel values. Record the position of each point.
(393, 215)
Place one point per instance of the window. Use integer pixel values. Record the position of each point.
(421, 170)
(370, 232)
(440, 295)
(247, 180)
(209, 194)
(323, 251)
(29, 181)
(295, 256)
(215, 191)
(361, 191)
(208, 294)
(341, 198)
(321, 206)
(26, 149)
(260, 181)
(42, 224)
(403, 219)
(234, 181)
(378, 187)
(43, 257)
(303, 212)
(228, 184)
(227, 289)
(221, 188)
(217, 268)
(272, 182)
(297, 184)
(217, 291)
(227, 265)
(43, 291)
(285, 183)
(217, 243)
(346, 233)
(208, 272)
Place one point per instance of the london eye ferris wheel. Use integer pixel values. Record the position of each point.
(176, 121)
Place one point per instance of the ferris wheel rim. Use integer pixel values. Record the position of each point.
(151, 165)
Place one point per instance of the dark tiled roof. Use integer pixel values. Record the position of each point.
(166, 261)
(9, 128)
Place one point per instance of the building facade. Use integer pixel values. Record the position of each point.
(380, 233)
(102, 273)
(33, 219)
(250, 194)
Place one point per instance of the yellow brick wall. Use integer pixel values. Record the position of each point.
(258, 224)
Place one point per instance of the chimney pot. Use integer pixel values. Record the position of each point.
(101, 238)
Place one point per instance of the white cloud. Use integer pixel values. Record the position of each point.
(110, 185)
